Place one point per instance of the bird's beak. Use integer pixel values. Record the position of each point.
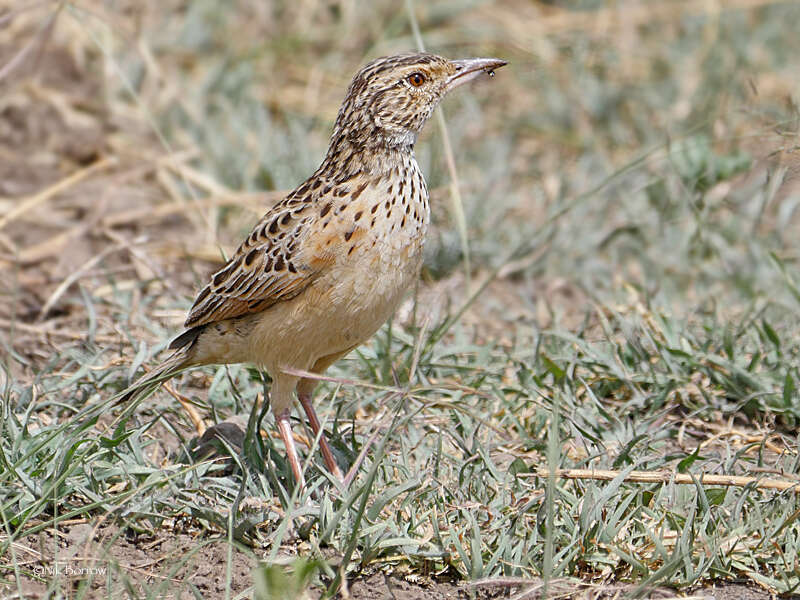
(468, 69)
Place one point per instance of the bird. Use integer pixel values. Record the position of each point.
(326, 266)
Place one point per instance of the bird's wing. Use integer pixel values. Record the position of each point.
(267, 268)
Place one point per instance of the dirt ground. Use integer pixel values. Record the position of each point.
(112, 560)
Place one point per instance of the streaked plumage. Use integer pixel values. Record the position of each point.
(325, 267)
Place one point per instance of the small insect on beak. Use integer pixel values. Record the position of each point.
(468, 69)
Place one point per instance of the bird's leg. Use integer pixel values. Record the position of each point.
(285, 429)
(327, 453)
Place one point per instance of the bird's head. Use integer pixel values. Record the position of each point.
(391, 98)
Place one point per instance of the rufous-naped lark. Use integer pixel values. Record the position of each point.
(326, 267)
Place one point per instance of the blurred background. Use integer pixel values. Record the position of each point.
(642, 144)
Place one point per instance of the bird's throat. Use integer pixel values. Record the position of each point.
(376, 154)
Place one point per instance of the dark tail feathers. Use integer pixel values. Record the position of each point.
(180, 360)
(146, 385)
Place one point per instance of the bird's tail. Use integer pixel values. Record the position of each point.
(146, 385)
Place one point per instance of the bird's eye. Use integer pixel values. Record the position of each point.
(416, 79)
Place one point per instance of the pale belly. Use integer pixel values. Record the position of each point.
(340, 310)
(370, 252)
(369, 294)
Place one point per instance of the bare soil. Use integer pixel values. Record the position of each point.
(103, 558)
